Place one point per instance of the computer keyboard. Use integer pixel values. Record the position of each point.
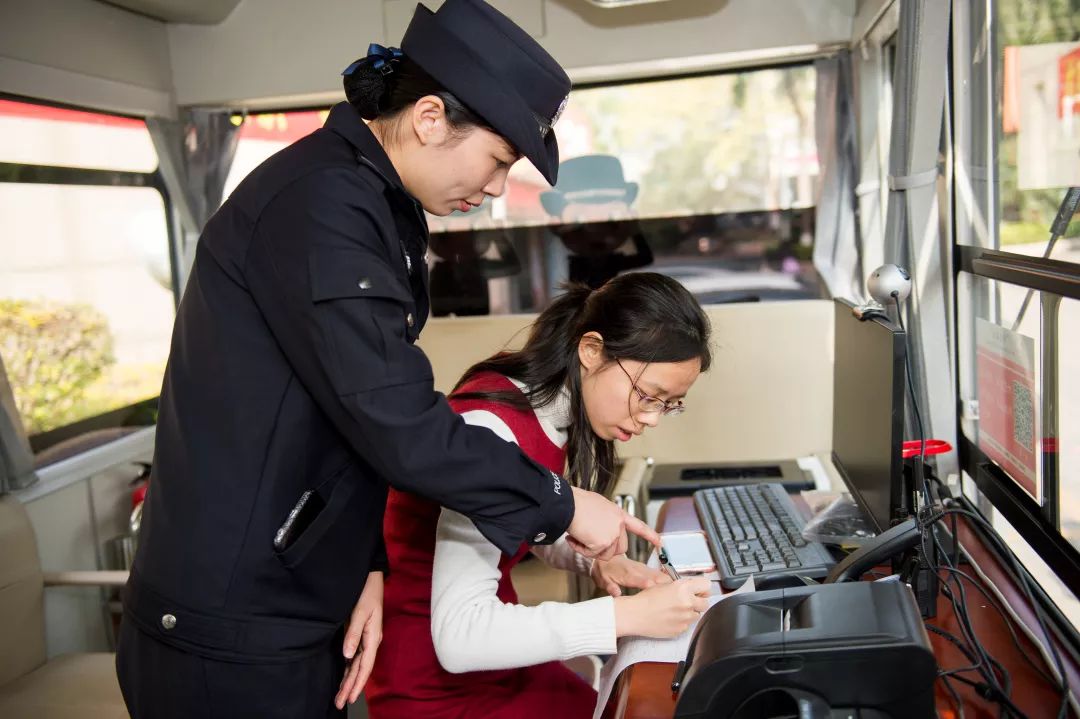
(755, 529)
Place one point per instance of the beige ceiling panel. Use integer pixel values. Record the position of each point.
(527, 14)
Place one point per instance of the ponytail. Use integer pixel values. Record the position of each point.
(386, 82)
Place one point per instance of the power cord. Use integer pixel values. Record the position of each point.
(920, 476)
(995, 690)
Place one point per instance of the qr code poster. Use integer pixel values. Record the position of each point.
(1005, 367)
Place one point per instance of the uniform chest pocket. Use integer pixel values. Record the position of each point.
(355, 274)
(363, 310)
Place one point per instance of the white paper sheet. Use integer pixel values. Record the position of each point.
(631, 650)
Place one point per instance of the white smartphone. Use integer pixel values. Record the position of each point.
(688, 552)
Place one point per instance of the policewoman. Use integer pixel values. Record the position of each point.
(294, 393)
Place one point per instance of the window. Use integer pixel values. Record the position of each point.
(41, 135)
(263, 134)
(1017, 150)
(716, 190)
(86, 299)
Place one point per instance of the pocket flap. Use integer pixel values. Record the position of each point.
(340, 274)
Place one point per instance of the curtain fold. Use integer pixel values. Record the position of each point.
(16, 457)
(913, 236)
(836, 236)
(195, 153)
(871, 90)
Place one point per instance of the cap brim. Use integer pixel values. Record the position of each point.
(443, 56)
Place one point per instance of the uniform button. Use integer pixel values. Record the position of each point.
(540, 537)
(168, 621)
(409, 319)
(364, 283)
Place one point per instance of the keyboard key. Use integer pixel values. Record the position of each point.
(754, 528)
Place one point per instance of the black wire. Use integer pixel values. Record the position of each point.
(984, 663)
(955, 696)
(977, 654)
(996, 604)
(1022, 579)
(920, 476)
(959, 644)
(980, 689)
(993, 599)
(1005, 684)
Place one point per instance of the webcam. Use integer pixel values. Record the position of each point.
(887, 284)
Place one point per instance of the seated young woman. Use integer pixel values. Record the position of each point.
(599, 366)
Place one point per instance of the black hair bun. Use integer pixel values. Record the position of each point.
(368, 88)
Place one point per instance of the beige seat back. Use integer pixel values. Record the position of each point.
(767, 397)
(22, 617)
(453, 344)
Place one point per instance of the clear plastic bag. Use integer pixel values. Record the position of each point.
(841, 522)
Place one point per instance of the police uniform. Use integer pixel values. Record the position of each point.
(293, 375)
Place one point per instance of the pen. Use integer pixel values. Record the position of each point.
(668, 567)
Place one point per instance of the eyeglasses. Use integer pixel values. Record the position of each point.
(651, 404)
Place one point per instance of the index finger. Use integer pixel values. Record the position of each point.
(636, 526)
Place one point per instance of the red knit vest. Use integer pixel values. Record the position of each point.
(407, 675)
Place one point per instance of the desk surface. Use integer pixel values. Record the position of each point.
(643, 690)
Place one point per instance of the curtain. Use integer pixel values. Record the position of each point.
(195, 153)
(836, 237)
(16, 457)
(913, 236)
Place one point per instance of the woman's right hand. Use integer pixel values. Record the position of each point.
(662, 611)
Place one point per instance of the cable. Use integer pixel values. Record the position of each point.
(1022, 580)
(994, 689)
(996, 604)
(955, 696)
(1005, 684)
(1023, 627)
(920, 477)
(983, 662)
(989, 668)
(989, 693)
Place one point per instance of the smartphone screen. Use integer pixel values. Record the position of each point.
(688, 552)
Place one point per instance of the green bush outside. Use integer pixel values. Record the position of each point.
(52, 353)
(1023, 233)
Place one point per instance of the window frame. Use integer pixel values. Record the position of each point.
(35, 174)
(1037, 521)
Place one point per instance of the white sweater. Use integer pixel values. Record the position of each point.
(471, 628)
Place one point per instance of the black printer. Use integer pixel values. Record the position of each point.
(853, 650)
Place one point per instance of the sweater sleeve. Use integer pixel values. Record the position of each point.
(561, 555)
(473, 630)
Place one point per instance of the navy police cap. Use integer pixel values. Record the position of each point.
(498, 70)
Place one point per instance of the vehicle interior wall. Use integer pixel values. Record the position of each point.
(74, 526)
(88, 53)
(301, 62)
(768, 395)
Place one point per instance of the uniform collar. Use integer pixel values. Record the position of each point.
(346, 121)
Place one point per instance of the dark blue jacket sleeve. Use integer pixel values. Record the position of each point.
(319, 270)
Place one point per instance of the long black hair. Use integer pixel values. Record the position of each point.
(382, 94)
(641, 316)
